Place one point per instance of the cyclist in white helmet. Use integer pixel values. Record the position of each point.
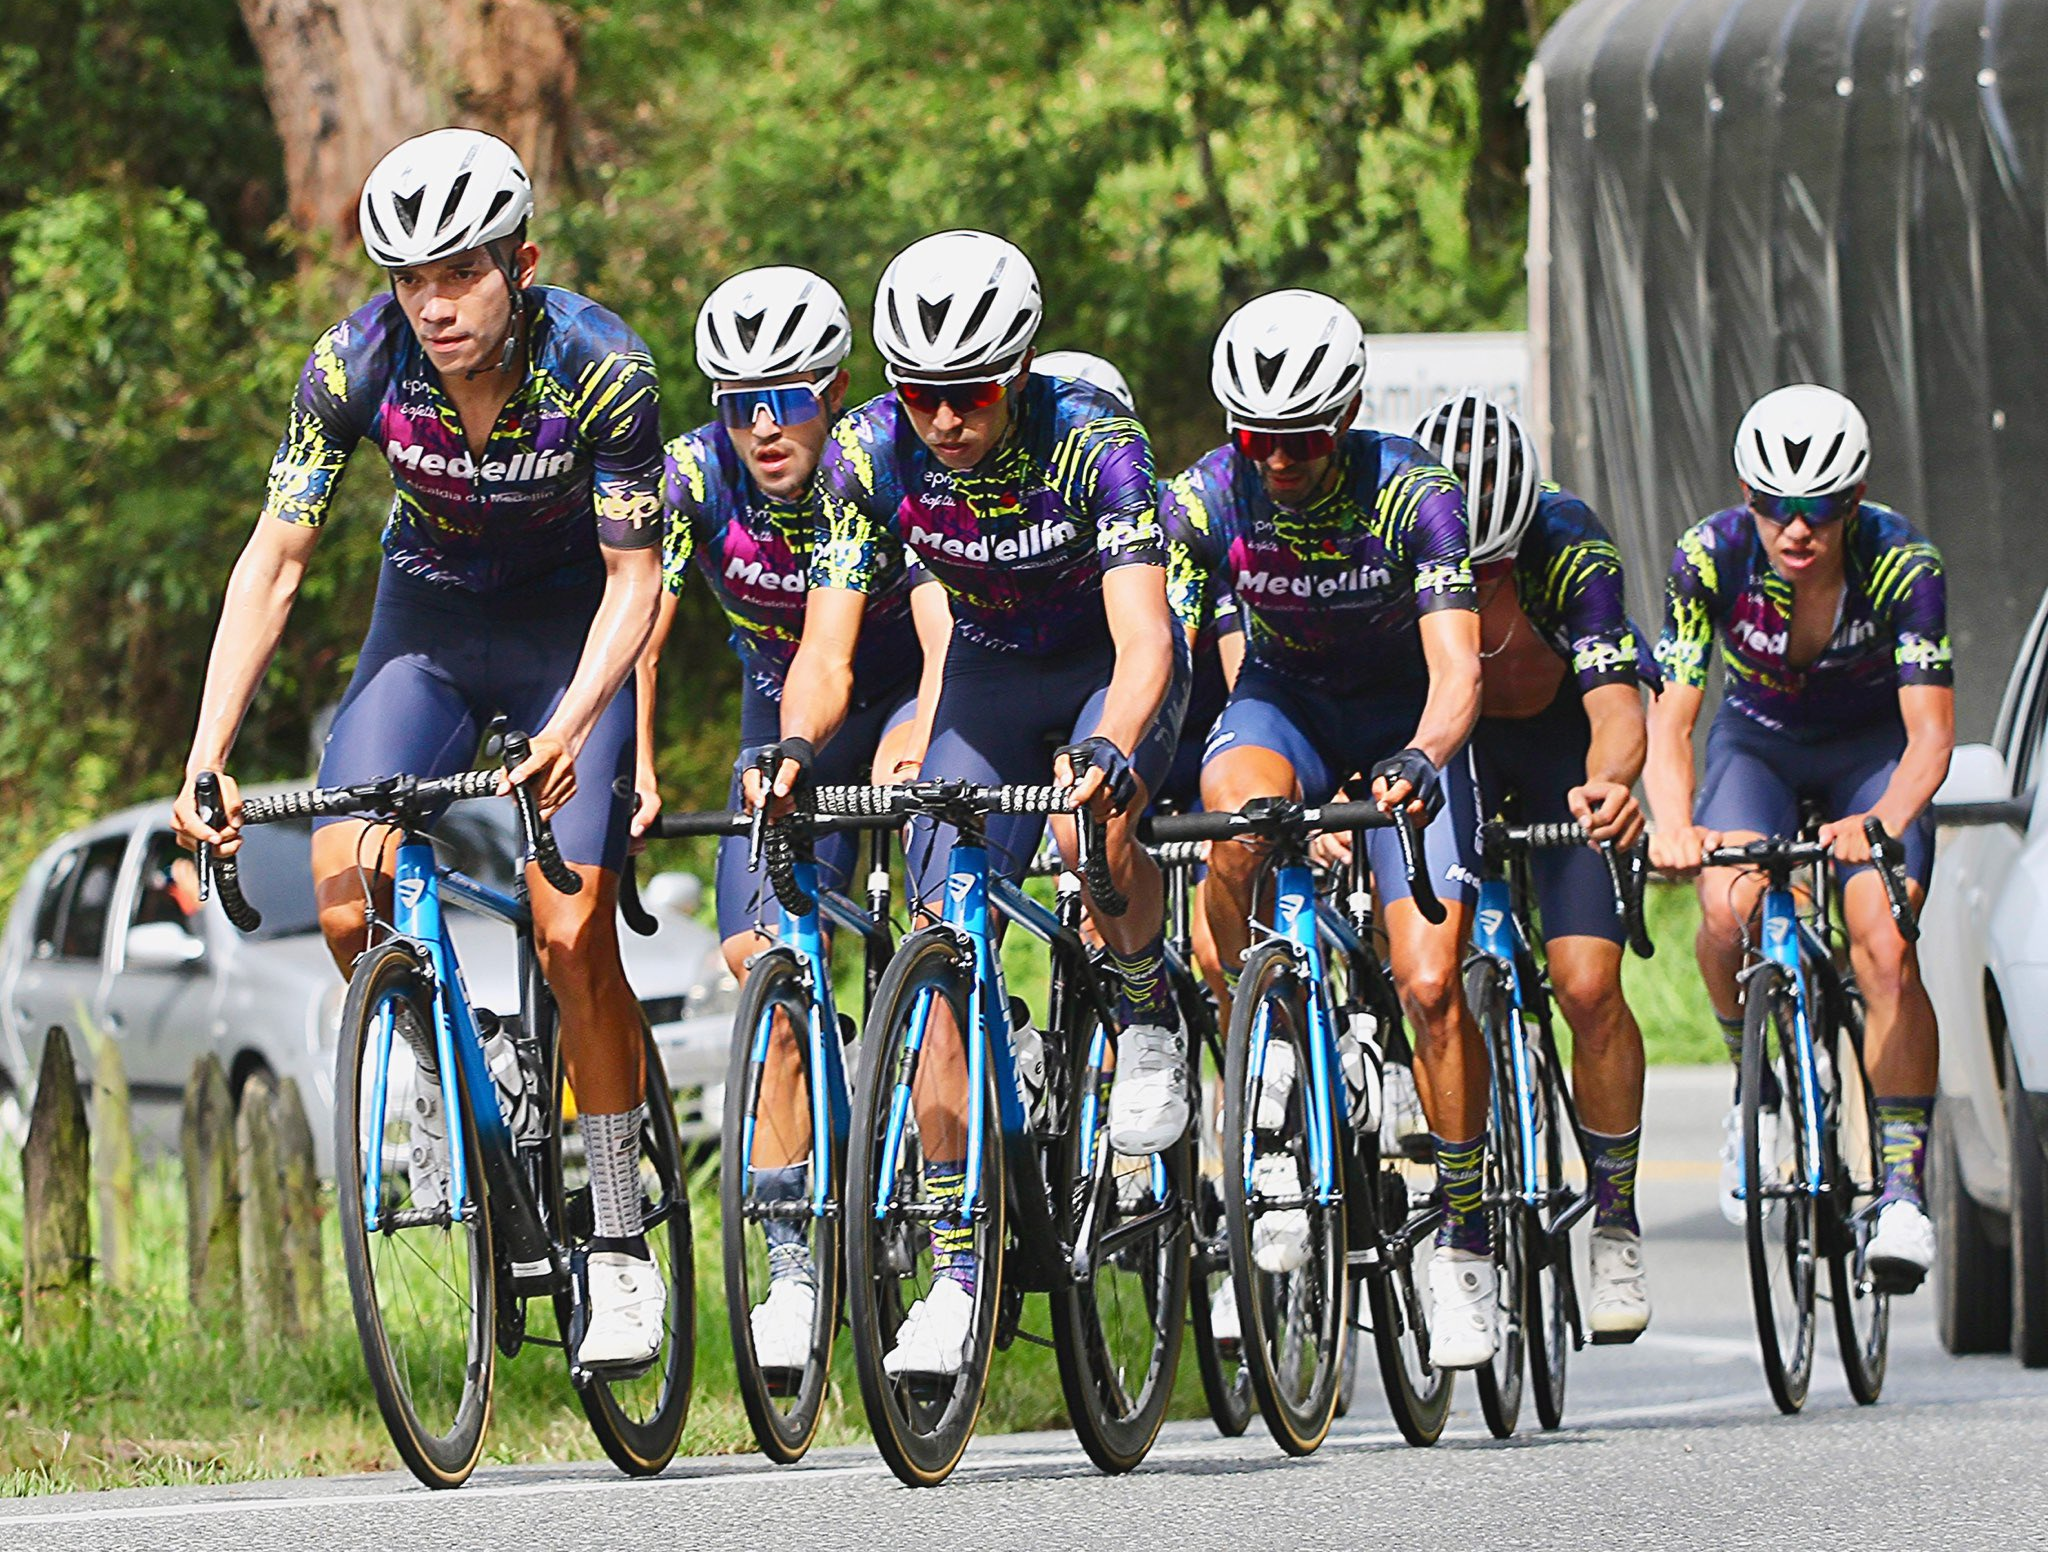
(1832, 617)
(1346, 550)
(521, 572)
(1032, 500)
(1561, 728)
(740, 502)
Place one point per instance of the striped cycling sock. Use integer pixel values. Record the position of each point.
(1143, 995)
(1612, 1165)
(1731, 1037)
(1902, 1123)
(953, 1234)
(611, 1148)
(789, 1249)
(1460, 1178)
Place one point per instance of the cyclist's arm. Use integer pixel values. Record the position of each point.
(1450, 646)
(1614, 759)
(933, 618)
(1141, 625)
(1929, 712)
(1667, 776)
(820, 683)
(1230, 649)
(646, 675)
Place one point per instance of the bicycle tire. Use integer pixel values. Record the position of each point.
(1418, 1394)
(1854, 1140)
(783, 1410)
(1226, 1388)
(639, 1421)
(1548, 1280)
(393, 976)
(1126, 1319)
(921, 1428)
(1778, 1212)
(1499, 1379)
(1295, 1322)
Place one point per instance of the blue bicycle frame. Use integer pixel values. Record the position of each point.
(1497, 933)
(1787, 941)
(1299, 920)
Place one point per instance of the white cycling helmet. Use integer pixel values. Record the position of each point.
(956, 306)
(1494, 458)
(1286, 359)
(440, 194)
(772, 322)
(1804, 440)
(1089, 369)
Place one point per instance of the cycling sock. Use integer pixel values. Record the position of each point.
(1731, 1037)
(1612, 1165)
(1143, 993)
(952, 1235)
(1902, 1122)
(789, 1250)
(611, 1147)
(1460, 1177)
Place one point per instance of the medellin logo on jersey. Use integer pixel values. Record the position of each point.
(519, 469)
(1039, 538)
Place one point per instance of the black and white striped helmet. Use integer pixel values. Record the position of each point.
(1494, 458)
(440, 194)
(956, 306)
(1288, 359)
(772, 322)
(1804, 440)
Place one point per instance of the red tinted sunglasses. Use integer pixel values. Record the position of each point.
(1299, 446)
(965, 398)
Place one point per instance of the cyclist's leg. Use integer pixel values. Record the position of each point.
(1748, 789)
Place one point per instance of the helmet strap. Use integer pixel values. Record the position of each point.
(506, 252)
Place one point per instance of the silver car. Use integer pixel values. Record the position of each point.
(107, 935)
(1984, 954)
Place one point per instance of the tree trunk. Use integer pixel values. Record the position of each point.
(348, 79)
(56, 1217)
(301, 1179)
(213, 1250)
(113, 1159)
(267, 1313)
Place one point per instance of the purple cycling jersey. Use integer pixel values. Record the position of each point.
(1568, 577)
(1021, 540)
(756, 552)
(1891, 626)
(573, 462)
(1330, 594)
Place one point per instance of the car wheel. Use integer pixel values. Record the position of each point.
(1972, 1270)
(2029, 1225)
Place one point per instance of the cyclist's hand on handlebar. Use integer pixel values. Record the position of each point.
(1408, 781)
(1846, 839)
(1607, 811)
(1681, 850)
(194, 831)
(794, 758)
(1332, 848)
(1100, 775)
(646, 809)
(550, 767)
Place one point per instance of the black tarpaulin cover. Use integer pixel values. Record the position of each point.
(1737, 194)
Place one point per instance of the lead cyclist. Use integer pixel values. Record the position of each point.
(521, 574)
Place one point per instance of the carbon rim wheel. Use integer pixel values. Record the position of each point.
(423, 1287)
(1778, 1209)
(773, 1026)
(1547, 1281)
(1294, 1321)
(639, 1419)
(1226, 1387)
(1397, 1299)
(922, 1423)
(1117, 1325)
(1862, 1314)
(1500, 1378)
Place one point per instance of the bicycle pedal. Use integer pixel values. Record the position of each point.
(1615, 1338)
(1419, 1148)
(783, 1383)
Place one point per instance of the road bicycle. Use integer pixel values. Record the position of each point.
(1312, 1143)
(1531, 1117)
(1812, 1164)
(458, 1198)
(1041, 1203)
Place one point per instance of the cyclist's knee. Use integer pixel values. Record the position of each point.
(739, 948)
(1232, 865)
(1431, 994)
(1588, 993)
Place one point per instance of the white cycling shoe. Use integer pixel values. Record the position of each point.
(628, 1303)
(1733, 1207)
(934, 1335)
(1902, 1248)
(1617, 1294)
(1279, 1237)
(1276, 1087)
(782, 1324)
(1224, 1329)
(427, 1147)
(1464, 1295)
(1148, 1101)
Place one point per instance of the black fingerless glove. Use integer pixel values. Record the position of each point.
(1412, 766)
(1104, 756)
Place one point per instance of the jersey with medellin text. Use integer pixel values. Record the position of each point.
(573, 462)
(1021, 540)
(1330, 594)
(1891, 626)
(755, 552)
(1568, 578)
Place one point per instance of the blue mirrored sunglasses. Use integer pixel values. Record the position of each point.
(1819, 511)
(791, 404)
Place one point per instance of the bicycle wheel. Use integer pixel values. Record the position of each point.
(1547, 1282)
(639, 1419)
(1117, 1323)
(784, 1404)
(1293, 1316)
(1226, 1387)
(1778, 1207)
(1397, 1300)
(921, 1422)
(1856, 1168)
(1500, 1378)
(424, 1286)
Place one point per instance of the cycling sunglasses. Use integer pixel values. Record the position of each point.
(965, 398)
(1299, 446)
(791, 404)
(1818, 511)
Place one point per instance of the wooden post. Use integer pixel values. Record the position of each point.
(57, 1219)
(113, 1159)
(266, 1288)
(213, 1262)
(301, 1180)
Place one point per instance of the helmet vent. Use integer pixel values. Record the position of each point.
(789, 326)
(1795, 452)
(932, 315)
(1268, 368)
(750, 329)
(453, 202)
(974, 319)
(1834, 447)
(407, 207)
(1315, 363)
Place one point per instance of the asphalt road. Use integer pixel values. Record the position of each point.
(1670, 1443)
